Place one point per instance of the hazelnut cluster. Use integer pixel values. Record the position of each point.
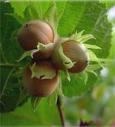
(50, 54)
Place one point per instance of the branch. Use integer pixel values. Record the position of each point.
(59, 105)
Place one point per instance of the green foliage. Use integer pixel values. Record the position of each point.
(79, 84)
(25, 115)
(40, 71)
(88, 16)
(10, 86)
(28, 10)
(91, 17)
(71, 15)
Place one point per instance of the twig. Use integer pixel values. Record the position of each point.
(61, 114)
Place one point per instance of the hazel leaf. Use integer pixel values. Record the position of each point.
(42, 47)
(20, 19)
(93, 72)
(94, 58)
(85, 38)
(52, 99)
(79, 37)
(59, 89)
(89, 46)
(67, 75)
(42, 73)
(27, 53)
(35, 102)
(30, 12)
(62, 58)
(93, 67)
(80, 33)
(51, 14)
(65, 60)
(85, 77)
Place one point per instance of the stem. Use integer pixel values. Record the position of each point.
(61, 114)
(8, 65)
